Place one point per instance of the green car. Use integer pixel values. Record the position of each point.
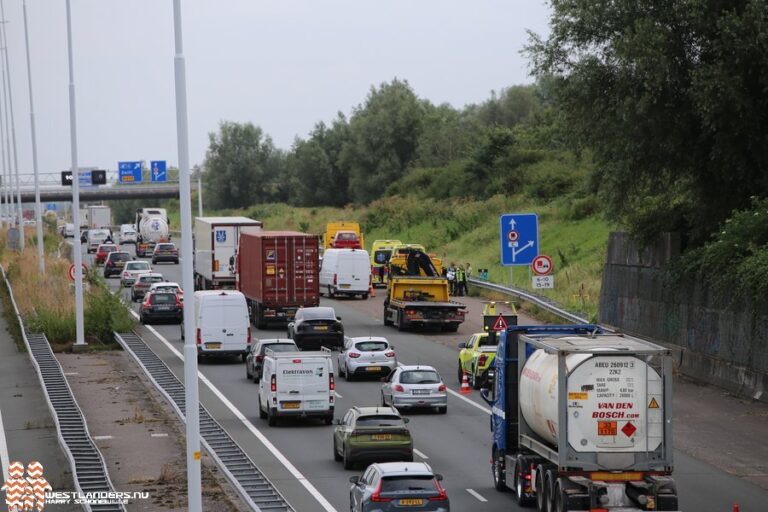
(372, 434)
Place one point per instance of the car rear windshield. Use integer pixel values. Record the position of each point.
(163, 298)
(408, 483)
(346, 235)
(169, 289)
(319, 314)
(380, 421)
(420, 377)
(165, 247)
(137, 265)
(120, 256)
(371, 346)
(108, 248)
(151, 279)
(382, 257)
(279, 347)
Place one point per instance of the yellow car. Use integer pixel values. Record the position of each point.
(476, 358)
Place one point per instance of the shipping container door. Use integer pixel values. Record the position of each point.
(224, 242)
(305, 277)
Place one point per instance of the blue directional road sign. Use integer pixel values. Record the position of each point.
(157, 171)
(519, 238)
(84, 177)
(51, 206)
(129, 172)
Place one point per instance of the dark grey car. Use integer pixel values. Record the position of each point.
(398, 486)
(254, 361)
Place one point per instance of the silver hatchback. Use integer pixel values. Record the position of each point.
(366, 355)
(398, 486)
(415, 387)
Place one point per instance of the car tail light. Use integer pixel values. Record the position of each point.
(441, 387)
(273, 384)
(179, 305)
(399, 388)
(389, 354)
(147, 304)
(442, 496)
(259, 359)
(331, 382)
(249, 332)
(110, 264)
(353, 355)
(199, 336)
(482, 360)
(335, 279)
(376, 496)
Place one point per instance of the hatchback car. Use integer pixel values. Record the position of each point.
(115, 263)
(161, 306)
(316, 327)
(167, 286)
(165, 252)
(143, 283)
(415, 387)
(254, 361)
(132, 270)
(398, 486)
(372, 434)
(102, 252)
(368, 355)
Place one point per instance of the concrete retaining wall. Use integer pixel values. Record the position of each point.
(727, 346)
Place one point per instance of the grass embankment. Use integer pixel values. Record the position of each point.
(468, 232)
(47, 302)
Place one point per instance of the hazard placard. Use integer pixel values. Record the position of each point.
(654, 404)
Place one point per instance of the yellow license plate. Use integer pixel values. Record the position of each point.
(381, 437)
(411, 502)
(344, 286)
(321, 327)
(213, 345)
(290, 405)
(374, 368)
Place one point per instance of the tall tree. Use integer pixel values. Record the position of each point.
(671, 98)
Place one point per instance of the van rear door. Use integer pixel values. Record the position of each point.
(303, 384)
(353, 271)
(224, 320)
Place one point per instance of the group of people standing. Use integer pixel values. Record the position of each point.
(457, 276)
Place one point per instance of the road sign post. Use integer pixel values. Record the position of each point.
(519, 238)
(158, 172)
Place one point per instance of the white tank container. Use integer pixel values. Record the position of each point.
(154, 228)
(614, 402)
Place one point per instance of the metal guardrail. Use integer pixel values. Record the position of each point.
(254, 488)
(89, 471)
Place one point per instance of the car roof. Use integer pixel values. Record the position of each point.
(368, 338)
(319, 311)
(275, 341)
(403, 468)
(417, 367)
(211, 293)
(376, 410)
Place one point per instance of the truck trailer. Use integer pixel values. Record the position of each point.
(216, 240)
(581, 420)
(153, 227)
(98, 216)
(278, 272)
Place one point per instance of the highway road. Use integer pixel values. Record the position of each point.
(456, 445)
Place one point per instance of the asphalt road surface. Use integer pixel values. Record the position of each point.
(456, 445)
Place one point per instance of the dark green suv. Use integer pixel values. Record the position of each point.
(372, 434)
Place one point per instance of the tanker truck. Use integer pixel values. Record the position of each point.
(152, 224)
(581, 420)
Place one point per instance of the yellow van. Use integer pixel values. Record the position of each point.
(381, 251)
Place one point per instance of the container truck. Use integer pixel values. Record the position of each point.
(277, 271)
(98, 217)
(216, 241)
(581, 420)
(152, 224)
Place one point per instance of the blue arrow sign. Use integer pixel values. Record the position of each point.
(519, 238)
(157, 171)
(129, 172)
(84, 178)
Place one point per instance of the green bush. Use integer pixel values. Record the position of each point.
(105, 313)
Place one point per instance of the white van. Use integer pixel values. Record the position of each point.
(222, 325)
(345, 272)
(298, 384)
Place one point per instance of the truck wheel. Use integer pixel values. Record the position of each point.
(364, 296)
(330, 292)
(400, 326)
(519, 481)
(387, 321)
(550, 476)
(498, 471)
(560, 501)
(451, 327)
(262, 413)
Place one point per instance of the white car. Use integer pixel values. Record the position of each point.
(413, 387)
(132, 270)
(366, 355)
(128, 234)
(167, 286)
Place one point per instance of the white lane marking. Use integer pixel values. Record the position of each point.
(4, 460)
(102, 438)
(250, 426)
(457, 395)
(160, 435)
(71, 373)
(420, 454)
(337, 394)
(477, 495)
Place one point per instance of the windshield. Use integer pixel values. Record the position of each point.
(382, 257)
(371, 346)
(408, 483)
(420, 377)
(137, 265)
(380, 421)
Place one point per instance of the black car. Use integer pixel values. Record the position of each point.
(254, 361)
(313, 328)
(115, 263)
(161, 306)
(165, 252)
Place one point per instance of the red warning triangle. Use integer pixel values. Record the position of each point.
(500, 325)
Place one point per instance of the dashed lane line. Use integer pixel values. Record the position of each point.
(420, 454)
(477, 495)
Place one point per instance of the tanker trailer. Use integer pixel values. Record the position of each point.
(581, 420)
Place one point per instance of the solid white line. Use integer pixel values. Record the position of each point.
(71, 373)
(457, 395)
(101, 438)
(4, 460)
(160, 435)
(477, 495)
(250, 426)
(420, 454)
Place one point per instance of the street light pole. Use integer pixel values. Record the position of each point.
(194, 491)
(7, 182)
(78, 250)
(7, 75)
(38, 207)
(199, 195)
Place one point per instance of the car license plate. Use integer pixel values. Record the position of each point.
(381, 437)
(420, 391)
(321, 327)
(213, 345)
(374, 368)
(411, 502)
(290, 405)
(120, 264)
(344, 286)
(163, 308)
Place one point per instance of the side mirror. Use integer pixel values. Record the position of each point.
(338, 318)
(337, 421)
(406, 420)
(462, 345)
(438, 477)
(354, 480)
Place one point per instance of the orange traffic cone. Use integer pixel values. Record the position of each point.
(735, 506)
(371, 291)
(465, 389)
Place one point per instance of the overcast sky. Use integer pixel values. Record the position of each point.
(282, 64)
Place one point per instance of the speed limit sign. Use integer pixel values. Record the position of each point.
(542, 265)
